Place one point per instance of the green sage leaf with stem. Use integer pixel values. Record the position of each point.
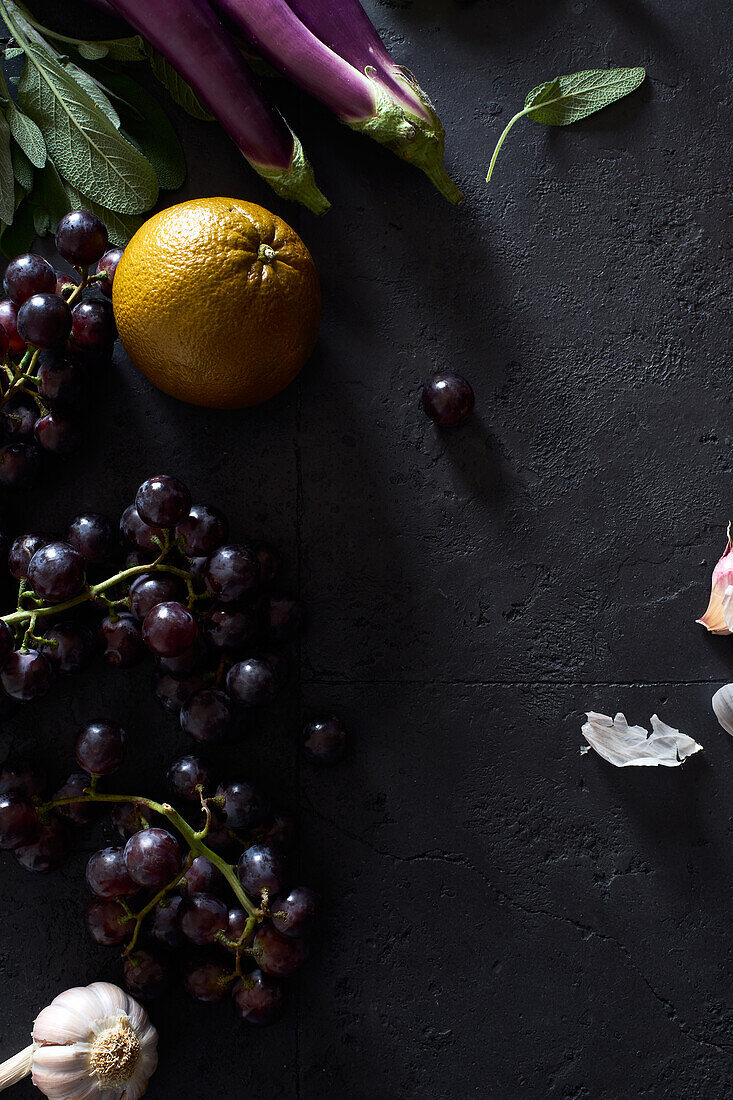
(568, 99)
(22, 168)
(7, 176)
(147, 125)
(28, 136)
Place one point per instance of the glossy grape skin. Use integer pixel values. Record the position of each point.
(7, 641)
(107, 876)
(324, 741)
(48, 851)
(150, 589)
(94, 536)
(107, 266)
(206, 979)
(81, 238)
(164, 926)
(278, 955)
(153, 857)
(61, 383)
(186, 775)
(283, 618)
(244, 805)
(22, 550)
(207, 716)
(203, 877)
(162, 501)
(296, 914)
(44, 321)
(172, 693)
(107, 922)
(448, 400)
(169, 629)
(9, 323)
(93, 323)
(269, 563)
(20, 466)
(202, 531)
(27, 275)
(25, 676)
(4, 345)
(78, 813)
(259, 999)
(236, 925)
(19, 420)
(18, 820)
(229, 626)
(74, 649)
(22, 778)
(145, 975)
(252, 682)
(262, 868)
(57, 435)
(233, 573)
(100, 748)
(127, 818)
(121, 641)
(57, 572)
(137, 533)
(201, 916)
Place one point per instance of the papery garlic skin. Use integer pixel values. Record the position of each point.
(723, 707)
(93, 1043)
(719, 611)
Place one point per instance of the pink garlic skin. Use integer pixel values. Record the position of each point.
(714, 617)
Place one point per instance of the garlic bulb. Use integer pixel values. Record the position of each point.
(723, 707)
(719, 614)
(91, 1043)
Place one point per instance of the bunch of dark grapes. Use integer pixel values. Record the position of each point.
(167, 900)
(56, 334)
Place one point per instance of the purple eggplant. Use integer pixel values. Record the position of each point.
(191, 37)
(407, 125)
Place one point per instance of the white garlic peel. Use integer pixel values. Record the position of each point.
(91, 1043)
(624, 745)
(723, 707)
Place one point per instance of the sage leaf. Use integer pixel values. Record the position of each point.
(93, 89)
(18, 237)
(120, 227)
(133, 48)
(148, 127)
(11, 52)
(568, 99)
(93, 51)
(7, 176)
(22, 168)
(48, 199)
(28, 136)
(177, 87)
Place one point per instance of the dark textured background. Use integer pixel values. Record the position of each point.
(507, 918)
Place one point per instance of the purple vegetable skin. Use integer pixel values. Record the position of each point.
(412, 130)
(189, 35)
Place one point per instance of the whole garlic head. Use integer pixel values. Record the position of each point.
(93, 1043)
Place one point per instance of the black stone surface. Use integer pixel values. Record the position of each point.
(506, 917)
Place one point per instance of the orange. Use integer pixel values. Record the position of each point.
(217, 301)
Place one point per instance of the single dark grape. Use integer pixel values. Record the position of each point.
(145, 975)
(153, 857)
(235, 929)
(201, 916)
(18, 421)
(244, 806)
(233, 573)
(283, 618)
(100, 748)
(78, 813)
(186, 775)
(44, 321)
(26, 275)
(107, 875)
(151, 589)
(277, 832)
(259, 999)
(22, 550)
(48, 851)
(4, 344)
(207, 716)
(163, 501)
(18, 820)
(139, 534)
(172, 693)
(448, 400)
(107, 266)
(25, 675)
(20, 466)
(81, 238)
(93, 323)
(107, 922)
(170, 629)
(229, 626)
(202, 531)
(74, 647)
(57, 572)
(61, 383)
(324, 741)
(207, 979)
(189, 664)
(262, 868)
(7, 641)
(57, 435)
(121, 641)
(164, 926)
(127, 818)
(21, 777)
(94, 536)
(203, 877)
(278, 955)
(9, 323)
(269, 564)
(296, 914)
(252, 682)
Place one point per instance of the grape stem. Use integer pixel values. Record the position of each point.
(142, 914)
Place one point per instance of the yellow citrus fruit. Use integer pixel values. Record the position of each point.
(217, 301)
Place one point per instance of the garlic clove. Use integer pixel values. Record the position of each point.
(714, 619)
(61, 1072)
(723, 707)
